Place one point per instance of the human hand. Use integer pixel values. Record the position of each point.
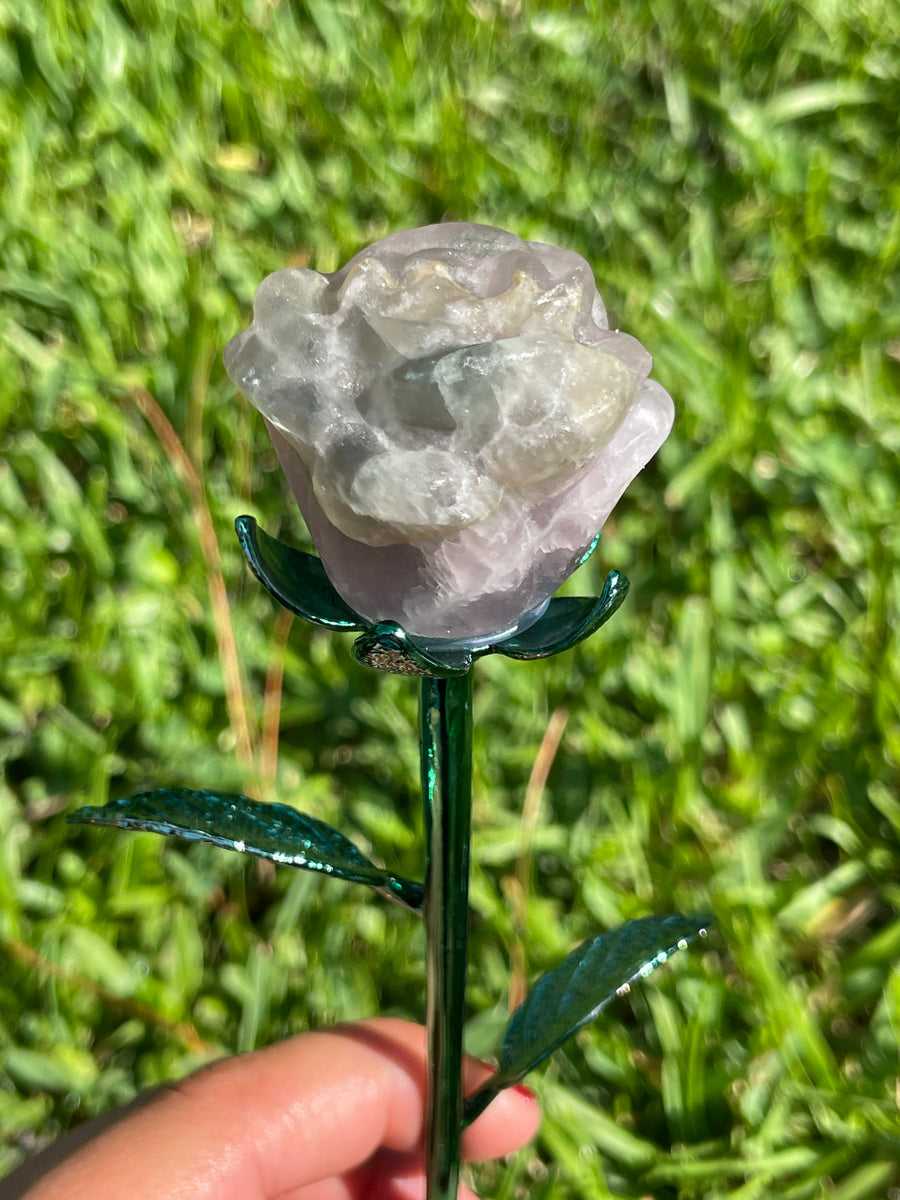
(332, 1115)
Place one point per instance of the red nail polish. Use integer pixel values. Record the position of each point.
(525, 1092)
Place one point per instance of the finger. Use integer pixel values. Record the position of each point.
(391, 1175)
(258, 1125)
(265, 1124)
(509, 1121)
(507, 1124)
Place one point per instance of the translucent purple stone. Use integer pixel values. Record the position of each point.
(455, 419)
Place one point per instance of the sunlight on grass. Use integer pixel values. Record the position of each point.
(731, 171)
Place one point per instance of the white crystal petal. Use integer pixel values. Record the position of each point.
(588, 504)
(559, 404)
(418, 494)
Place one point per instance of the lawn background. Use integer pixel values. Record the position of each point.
(730, 740)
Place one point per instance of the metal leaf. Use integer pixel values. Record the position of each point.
(567, 621)
(575, 992)
(271, 831)
(297, 580)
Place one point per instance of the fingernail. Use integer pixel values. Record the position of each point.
(525, 1092)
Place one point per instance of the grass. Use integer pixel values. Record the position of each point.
(729, 740)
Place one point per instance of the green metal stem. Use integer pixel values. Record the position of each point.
(445, 743)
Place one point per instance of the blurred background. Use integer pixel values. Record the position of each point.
(729, 741)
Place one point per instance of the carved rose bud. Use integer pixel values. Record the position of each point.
(455, 418)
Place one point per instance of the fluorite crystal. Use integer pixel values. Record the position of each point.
(455, 418)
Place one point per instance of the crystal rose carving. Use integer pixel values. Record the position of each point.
(455, 418)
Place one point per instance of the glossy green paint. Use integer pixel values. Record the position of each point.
(445, 741)
(588, 979)
(297, 580)
(567, 621)
(388, 647)
(264, 829)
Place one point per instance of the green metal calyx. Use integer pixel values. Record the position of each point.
(567, 621)
(297, 580)
(388, 647)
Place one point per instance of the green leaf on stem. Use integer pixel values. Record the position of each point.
(272, 831)
(575, 992)
(297, 580)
